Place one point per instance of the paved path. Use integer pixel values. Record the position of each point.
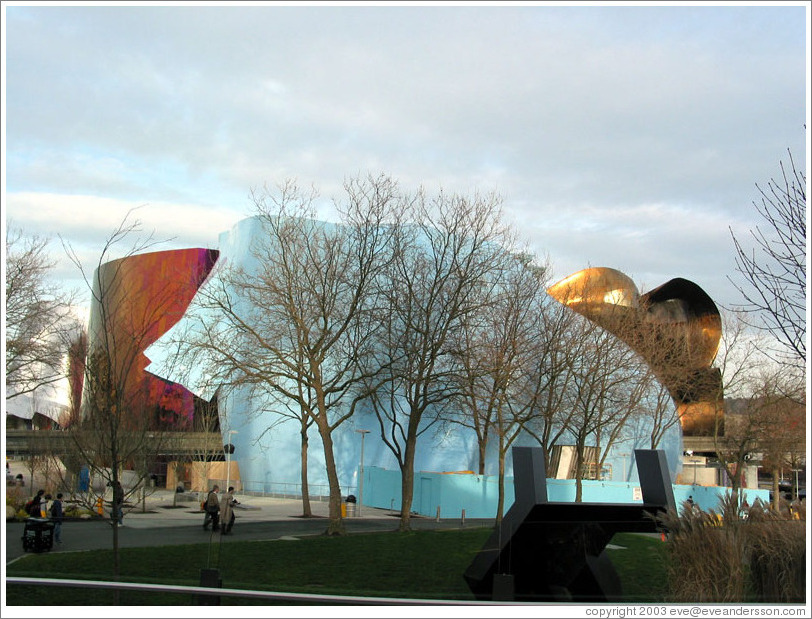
(257, 518)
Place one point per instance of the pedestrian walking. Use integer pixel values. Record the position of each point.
(212, 507)
(227, 511)
(56, 515)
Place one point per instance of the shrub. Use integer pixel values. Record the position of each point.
(16, 497)
(776, 555)
(74, 511)
(736, 554)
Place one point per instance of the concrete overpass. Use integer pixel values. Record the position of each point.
(174, 445)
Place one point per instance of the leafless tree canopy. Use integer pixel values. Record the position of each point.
(37, 316)
(604, 392)
(498, 353)
(774, 269)
(293, 328)
(449, 257)
(115, 430)
(765, 390)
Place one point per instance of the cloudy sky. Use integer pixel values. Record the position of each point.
(630, 137)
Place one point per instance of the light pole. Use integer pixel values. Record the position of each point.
(229, 449)
(690, 454)
(623, 455)
(796, 471)
(363, 434)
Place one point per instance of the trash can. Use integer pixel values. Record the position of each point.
(38, 535)
(351, 506)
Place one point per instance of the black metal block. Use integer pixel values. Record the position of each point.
(555, 551)
(209, 577)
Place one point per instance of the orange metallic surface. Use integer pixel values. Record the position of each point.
(676, 329)
(136, 300)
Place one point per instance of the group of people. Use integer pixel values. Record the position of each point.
(219, 514)
(43, 506)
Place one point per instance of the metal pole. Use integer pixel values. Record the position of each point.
(228, 468)
(228, 459)
(796, 484)
(363, 434)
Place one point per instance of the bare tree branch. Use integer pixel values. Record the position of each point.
(774, 269)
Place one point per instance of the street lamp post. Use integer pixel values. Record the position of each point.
(796, 471)
(690, 454)
(363, 434)
(229, 448)
(623, 455)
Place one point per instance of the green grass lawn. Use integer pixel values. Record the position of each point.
(422, 564)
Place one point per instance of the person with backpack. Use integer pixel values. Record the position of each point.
(212, 507)
(34, 507)
(57, 515)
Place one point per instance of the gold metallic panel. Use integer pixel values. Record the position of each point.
(675, 328)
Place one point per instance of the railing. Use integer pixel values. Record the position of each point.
(209, 592)
(287, 490)
(26, 442)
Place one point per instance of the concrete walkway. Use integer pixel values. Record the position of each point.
(160, 523)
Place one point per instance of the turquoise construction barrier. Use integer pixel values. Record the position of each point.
(448, 494)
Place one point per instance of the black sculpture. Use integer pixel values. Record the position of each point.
(546, 551)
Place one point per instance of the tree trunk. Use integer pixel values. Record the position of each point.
(114, 523)
(306, 510)
(579, 486)
(406, 490)
(776, 493)
(500, 503)
(735, 483)
(175, 493)
(482, 447)
(336, 523)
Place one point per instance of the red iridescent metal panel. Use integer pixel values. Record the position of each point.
(136, 300)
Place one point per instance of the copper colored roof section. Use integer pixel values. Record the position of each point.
(136, 300)
(676, 329)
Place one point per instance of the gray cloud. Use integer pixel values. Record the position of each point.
(627, 136)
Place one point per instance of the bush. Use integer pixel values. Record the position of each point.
(776, 556)
(16, 497)
(735, 555)
(74, 511)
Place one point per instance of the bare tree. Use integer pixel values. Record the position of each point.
(549, 377)
(779, 423)
(604, 392)
(38, 316)
(499, 348)
(448, 254)
(658, 413)
(116, 427)
(666, 370)
(740, 360)
(295, 325)
(774, 270)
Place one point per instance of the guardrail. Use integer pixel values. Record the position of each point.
(27, 442)
(290, 490)
(244, 593)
